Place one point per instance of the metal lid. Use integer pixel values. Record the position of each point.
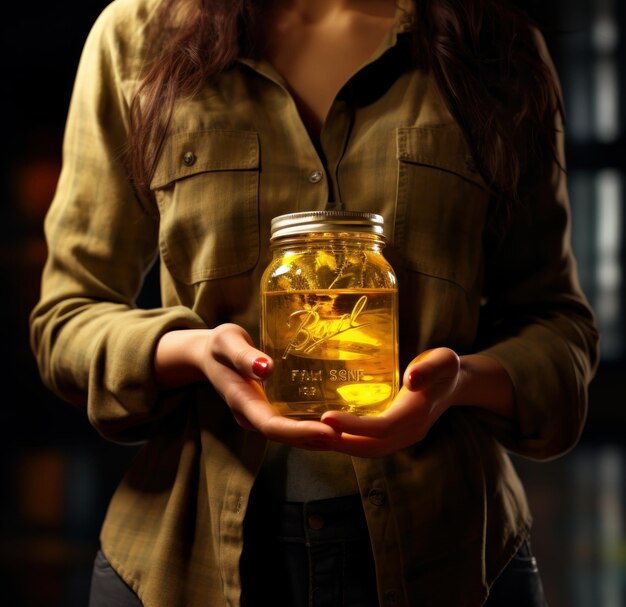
(307, 222)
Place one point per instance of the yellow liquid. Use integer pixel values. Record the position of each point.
(333, 350)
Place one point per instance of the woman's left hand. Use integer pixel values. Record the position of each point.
(428, 385)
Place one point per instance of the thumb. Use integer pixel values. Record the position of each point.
(431, 368)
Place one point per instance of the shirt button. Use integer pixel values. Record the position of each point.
(189, 158)
(377, 497)
(315, 521)
(316, 176)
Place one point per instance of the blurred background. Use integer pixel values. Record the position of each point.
(57, 474)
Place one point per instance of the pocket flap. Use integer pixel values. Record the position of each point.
(442, 147)
(190, 153)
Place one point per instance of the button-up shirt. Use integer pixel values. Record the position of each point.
(445, 514)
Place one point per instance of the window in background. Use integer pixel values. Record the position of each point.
(592, 88)
(596, 534)
(579, 501)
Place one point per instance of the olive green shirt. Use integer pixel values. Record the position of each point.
(446, 514)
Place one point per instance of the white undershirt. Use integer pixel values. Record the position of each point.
(300, 475)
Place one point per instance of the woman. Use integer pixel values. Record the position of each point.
(193, 123)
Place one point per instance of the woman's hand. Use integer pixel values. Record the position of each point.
(433, 382)
(428, 385)
(227, 358)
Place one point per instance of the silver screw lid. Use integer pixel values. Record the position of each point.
(306, 222)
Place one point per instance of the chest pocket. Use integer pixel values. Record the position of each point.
(206, 186)
(441, 205)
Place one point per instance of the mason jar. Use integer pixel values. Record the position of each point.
(329, 315)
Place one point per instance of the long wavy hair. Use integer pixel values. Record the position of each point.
(482, 53)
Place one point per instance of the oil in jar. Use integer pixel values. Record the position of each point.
(328, 316)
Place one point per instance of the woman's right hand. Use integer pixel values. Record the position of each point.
(226, 357)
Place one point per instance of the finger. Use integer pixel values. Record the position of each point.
(372, 442)
(390, 421)
(232, 345)
(359, 425)
(251, 409)
(365, 446)
(432, 367)
(244, 396)
(300, 433)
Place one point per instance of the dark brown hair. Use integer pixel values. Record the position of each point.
(483, 54)
(485, 57)
(202, 38)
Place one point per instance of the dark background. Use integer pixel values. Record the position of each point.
(57, 474)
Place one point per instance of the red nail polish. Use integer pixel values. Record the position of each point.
(415, 380)
(332, 423)
(260, 367)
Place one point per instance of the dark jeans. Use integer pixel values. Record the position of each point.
(315, 554)
(519, 585)
(108, 589)
(318, 554)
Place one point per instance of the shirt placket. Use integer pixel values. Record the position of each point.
(307, 175)
(379, 512)
(334, 140)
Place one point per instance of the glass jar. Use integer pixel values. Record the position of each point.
(329, 315)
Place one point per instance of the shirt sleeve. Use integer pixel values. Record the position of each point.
(94, 347)
(538, 323)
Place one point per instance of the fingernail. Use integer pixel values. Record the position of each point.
(332, 423)
(415, 380)
(260, 367)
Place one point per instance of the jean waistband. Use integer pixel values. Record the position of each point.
(327, 520)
